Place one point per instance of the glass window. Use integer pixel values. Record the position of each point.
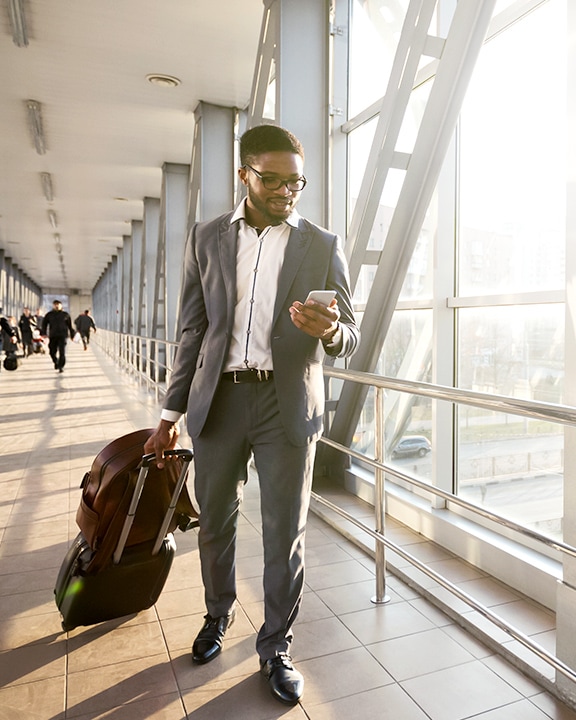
(407, 353)
(359, 144)
(512, 160)
(511, 464)
(516, 351)
(374, 34)
(512, 235)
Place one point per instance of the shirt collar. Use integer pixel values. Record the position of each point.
(240, 214)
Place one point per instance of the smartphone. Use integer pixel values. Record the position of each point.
(321, 296)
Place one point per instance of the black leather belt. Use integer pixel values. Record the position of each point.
(248, 376)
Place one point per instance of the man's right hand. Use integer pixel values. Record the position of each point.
(163, 438)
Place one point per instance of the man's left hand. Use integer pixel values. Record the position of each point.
(315, 319)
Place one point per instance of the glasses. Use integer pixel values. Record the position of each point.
(271, 182)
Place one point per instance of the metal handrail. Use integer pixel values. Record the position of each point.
(547, 411)
(538, 650)
(534, 409)
(564, 414)
(455, 499)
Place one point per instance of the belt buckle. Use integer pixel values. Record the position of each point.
(235, 377)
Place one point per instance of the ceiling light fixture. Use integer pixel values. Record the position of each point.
(18, 23)
(163, 80)
(36, 126)
(53, 219)
(46, 180)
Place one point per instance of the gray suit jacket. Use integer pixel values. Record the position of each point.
(314, 260)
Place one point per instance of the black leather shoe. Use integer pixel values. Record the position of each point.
(208, 643)
(286, 683)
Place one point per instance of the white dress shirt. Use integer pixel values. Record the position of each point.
(259, 259)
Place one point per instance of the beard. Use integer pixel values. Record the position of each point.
(274, 209)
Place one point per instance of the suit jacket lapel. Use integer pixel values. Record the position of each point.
(297, 247)
(227, 244)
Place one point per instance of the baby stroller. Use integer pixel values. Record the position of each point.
(38, 345)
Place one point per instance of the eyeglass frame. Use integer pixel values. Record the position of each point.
(267, 178)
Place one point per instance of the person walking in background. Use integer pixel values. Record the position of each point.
(15, 331)
(248, 373)
(38, 318)
(8, 336)
(27, 325)
(58, 326)
(84, 323)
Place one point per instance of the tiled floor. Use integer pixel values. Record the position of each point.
(405, 660)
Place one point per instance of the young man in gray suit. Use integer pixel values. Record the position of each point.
(248, 373)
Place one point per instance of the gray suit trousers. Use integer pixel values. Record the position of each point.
(244, 420)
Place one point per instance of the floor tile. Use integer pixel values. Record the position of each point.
(246, 698)
(114, 685)
(31, 663)
(336, 574)
(322, 637)
(339, 675)
(34, 701)
(385, 622)
(419, 654)
(386, 703)
(522, 710)
(91, 652)
(460, 692)
(162, 707)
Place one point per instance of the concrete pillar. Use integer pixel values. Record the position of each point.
(213, 169)
(174, 201)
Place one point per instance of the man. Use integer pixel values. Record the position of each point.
(27, 325)
(248, 373)
(38, 318)
(84, 323)
(58, 326)
(8, 337)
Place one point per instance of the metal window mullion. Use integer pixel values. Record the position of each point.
(264, 62)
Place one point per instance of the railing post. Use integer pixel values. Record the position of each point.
(380, 497)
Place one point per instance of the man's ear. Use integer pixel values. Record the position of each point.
(242, 174)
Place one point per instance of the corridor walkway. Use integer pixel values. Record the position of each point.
(401, 661)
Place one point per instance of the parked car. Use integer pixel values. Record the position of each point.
(412, 445)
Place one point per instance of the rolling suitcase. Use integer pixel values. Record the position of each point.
(133, 578)
(107, 489)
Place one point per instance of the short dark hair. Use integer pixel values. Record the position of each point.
(268, 138)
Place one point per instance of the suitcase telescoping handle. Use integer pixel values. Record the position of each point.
(147, 460)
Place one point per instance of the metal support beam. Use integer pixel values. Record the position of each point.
(212, 174)
(295, 36)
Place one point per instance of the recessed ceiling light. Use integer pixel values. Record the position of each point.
(163, 80)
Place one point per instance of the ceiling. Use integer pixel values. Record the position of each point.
(108, 130)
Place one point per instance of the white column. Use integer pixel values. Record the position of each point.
(174, 200)
(213, 168)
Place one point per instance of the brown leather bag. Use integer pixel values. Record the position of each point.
(107, 490)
